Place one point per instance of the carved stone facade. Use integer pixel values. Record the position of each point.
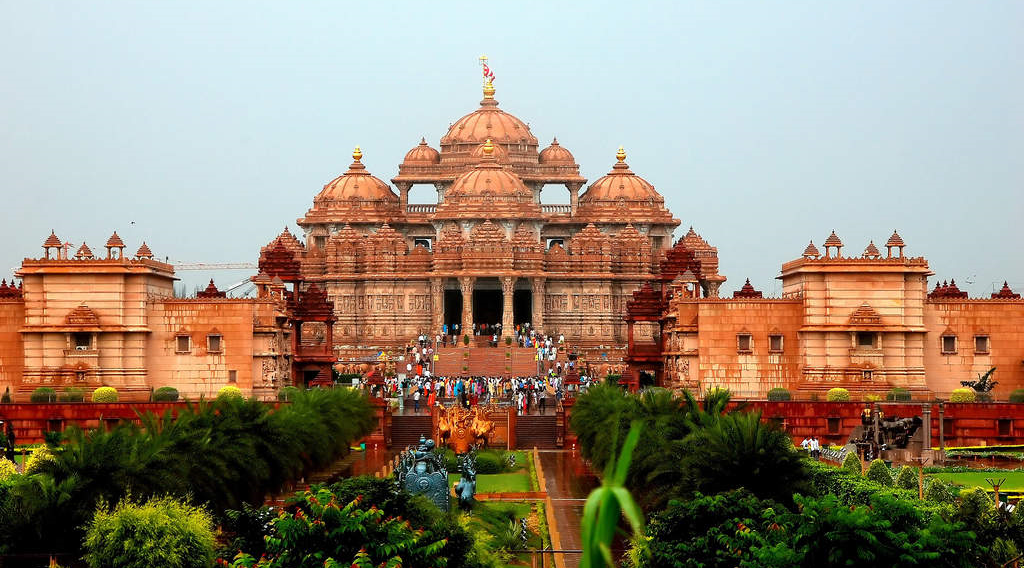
(488, 251)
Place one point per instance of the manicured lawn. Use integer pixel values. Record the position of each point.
(1014, 479)
(515, 482)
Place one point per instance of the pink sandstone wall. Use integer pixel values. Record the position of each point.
(1000, 320)
(199, 372)
(749, 375)
(12, 316)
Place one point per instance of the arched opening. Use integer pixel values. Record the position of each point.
(422, 194)
(522, 302)
(452, 305)
(487, 302)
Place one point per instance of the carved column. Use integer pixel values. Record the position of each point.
(574, 195)
(436, 304)
(440, 187)
(713, 289)
(508, 286)
(466, 283)
(538, 302)
(403, 195)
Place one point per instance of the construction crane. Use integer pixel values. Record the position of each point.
(213, 265)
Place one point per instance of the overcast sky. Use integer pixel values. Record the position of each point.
(211, 125)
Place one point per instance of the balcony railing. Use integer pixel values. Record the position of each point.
(557, 209)
(421, 208)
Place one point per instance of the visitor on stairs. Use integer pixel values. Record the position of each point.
(416, 401)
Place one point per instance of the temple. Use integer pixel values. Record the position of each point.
(488, 251)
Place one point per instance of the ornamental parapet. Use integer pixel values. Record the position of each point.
(909, 262)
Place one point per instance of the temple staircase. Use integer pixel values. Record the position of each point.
(537, 430)
(482, 360)
(406, 429)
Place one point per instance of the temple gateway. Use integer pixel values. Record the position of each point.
(488, 252)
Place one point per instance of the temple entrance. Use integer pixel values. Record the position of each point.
(487, 301)
(452, 308)
(522, 306)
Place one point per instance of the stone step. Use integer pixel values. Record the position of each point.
(406, 430)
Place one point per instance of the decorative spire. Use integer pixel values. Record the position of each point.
(895, 240)
(52, 240)
(872, 251)
(747, 291)
(488, 78)
(84, 252)
(811, 251)
(621, 155)
(114, 241)
(357, 154)
(833, 240)
(144, 251)
(1005, 293)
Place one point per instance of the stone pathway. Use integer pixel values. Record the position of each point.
(569, 481)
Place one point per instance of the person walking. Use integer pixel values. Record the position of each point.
(416, 401)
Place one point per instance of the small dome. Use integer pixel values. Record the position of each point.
(833, 240)
(487, 178)
(621, 183)
(422, 154)
(357, 184)
(556, 155)
(144, 251)
(114, 241)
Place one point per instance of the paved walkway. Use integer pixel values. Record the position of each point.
(569, 481)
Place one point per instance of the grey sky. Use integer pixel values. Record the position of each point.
(211, 125)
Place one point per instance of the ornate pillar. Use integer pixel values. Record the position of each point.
(403, 195)
(466, 283)
(538, 302)
(440, 187)
(508, 286)
(436, 305)
(574, 195)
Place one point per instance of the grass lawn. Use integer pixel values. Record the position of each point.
(1014, 479)
(515, 482)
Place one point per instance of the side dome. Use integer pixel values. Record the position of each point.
(357, 184)
(621, 184)
(422, 154)
(556, 155)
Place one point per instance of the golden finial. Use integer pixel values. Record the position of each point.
(620, 155)
(488, 147)
(357, 154)
(488, 90)
(488, 78)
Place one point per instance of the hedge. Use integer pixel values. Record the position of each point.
(962, 395)
(104, 394)
(907, 478)
(853, 464)
(898, 394)
(165, 394)
(838, 394)
(853, 489)
(1017, 395)
(779, 394)
(43, 394)
(287, 393)
(72, 394)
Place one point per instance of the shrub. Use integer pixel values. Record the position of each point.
(963, 395)
(939, 491)
(871, 397)
(907, 478)
(36, 458)
(44, 394)
(898, 394)
(165, 394)
(72, 394)
(465, 339)
(1017, 395)
(229, 391)
(104, 394)
(7, 469)
(612, 379)
(287, 393)
(161, 532)
(508, 340)
(6, 398)
(779, 394)
(489, 463)
(853, 464)
(879, 473)
(838, 395)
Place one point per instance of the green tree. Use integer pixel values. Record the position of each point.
(160, 532)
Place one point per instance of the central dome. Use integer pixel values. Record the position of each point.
(488, 178)
(489, 123)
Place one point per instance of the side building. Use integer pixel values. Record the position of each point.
(83, 321)
(866, 323)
